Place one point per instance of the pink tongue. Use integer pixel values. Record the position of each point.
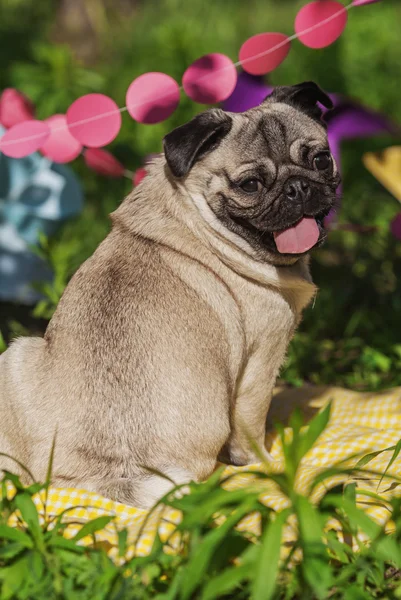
(299, 238)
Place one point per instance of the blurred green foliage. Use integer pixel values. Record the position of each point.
(351, 334)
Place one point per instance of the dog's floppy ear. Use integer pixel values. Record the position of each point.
(303, 96)
(188, 143)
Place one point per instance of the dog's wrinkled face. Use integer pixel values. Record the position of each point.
(266, 175)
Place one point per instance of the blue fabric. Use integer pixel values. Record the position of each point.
(36, 195)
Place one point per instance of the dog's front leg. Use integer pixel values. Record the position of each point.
(246, 444)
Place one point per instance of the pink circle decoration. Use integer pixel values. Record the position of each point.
(210, 79)
(362, 2)
(103, 162)
(152, 97)
(328, 19)
(94, 120)
(396, 226)
(24, 138)
(60, 146)
(15, 108)
(275, 45)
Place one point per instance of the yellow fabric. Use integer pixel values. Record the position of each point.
(386, 167)
(359, 423)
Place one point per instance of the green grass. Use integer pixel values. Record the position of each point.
(210, 561)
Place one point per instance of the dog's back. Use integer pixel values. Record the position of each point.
(20, 374)
(107, 379)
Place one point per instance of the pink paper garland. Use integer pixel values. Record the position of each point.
(210, 79)
(61, 146)
(318, 12)
(103, 162)
(94, 120)
(260, 65)
(139, 175)
(152, 98)
(15, 108)
(363, 2)
(24, 138)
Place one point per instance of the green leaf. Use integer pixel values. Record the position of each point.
(267, 565)
(40, 309)
(330, 472)
(250, 555)
(315, 565)
(65, 544)
(354, 592)
(396, 452)
(14, 479)
(122, 541)
(203, 553)
(232, 547)
(388, 548)
(225, 582)
(92, 527)
(199, 507)
(339, 550)
(3, 345)
(375, 359)
(35, 563)
(360, 519)
(288, 451)
(174, 587)
(34, 488)
(369, 457)
(51, 460)
(49, 474)
(380, 500)
(397, 350)
(13, 577)
(386, 545)
(29, 513)
(350, 492)
(15, 535)
(57, 519)
(31, 490)
(11, 550)
(315, 429)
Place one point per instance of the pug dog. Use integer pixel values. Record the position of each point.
(162, 355)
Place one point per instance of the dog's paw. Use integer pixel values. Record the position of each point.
(239, 457)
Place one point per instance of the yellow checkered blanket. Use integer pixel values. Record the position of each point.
(360, 423)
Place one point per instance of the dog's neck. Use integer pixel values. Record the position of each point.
(167, 214)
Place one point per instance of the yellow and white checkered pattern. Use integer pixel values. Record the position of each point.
(360, 423)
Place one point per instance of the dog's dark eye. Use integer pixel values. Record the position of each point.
(250, 185)
(322, 161)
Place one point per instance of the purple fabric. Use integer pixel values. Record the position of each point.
(249, 92)
(350, 120)
(396, 226)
